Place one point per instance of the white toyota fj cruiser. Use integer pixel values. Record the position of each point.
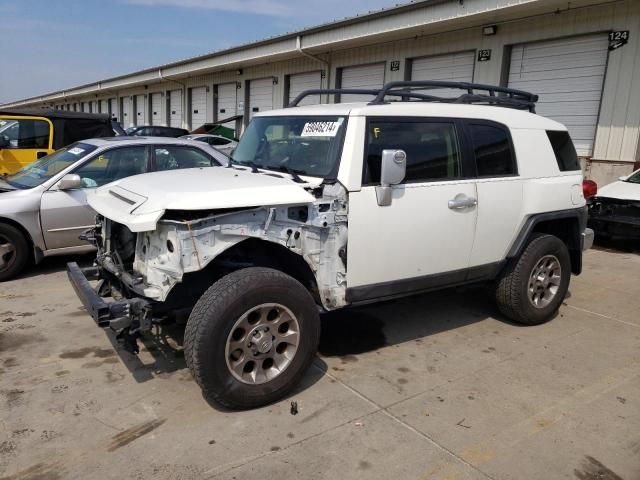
(334, 205)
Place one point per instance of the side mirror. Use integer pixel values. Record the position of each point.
(70, 181)
(393, 169)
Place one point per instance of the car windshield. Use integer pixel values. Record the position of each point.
(42, 170)
(635, 178)
(304, 145)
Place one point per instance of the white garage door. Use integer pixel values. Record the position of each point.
(113, 108)
(260, 96)
(94, 106)
(227, 101)
(568, 75)
(198, 107)
(363, 76)
(454, 67)
(127, 115)
(141, 117)
(156, 109)
(305, 81)
(104, 106)
(175, 108)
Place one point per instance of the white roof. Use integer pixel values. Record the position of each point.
(508, 116)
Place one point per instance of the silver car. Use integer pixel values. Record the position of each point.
(43, 207)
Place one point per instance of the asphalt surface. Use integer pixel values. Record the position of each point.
(432, 387)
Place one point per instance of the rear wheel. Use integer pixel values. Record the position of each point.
(14, 252)
(251, 337)
(532, 287)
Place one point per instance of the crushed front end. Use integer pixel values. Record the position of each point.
(146, 277)
(128, 311)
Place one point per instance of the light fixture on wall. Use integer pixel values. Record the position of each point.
(489, 30)
(239, 71)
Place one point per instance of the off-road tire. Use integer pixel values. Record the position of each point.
(512, 293)
(214, 316)
(21, 252)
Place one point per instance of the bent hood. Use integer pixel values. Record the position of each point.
(140, 201)
(620, 190)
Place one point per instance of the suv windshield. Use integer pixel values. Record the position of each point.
(304, 145)
(45, 168)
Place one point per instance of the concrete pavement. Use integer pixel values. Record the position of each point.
(432, 387)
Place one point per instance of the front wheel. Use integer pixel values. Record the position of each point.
(533, 286)
(251, 337)
(14, 252)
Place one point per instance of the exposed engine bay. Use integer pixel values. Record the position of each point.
(189, 248)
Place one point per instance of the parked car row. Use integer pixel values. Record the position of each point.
(219, 142)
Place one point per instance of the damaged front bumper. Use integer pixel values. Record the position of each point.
(101, 311)
(615, 217)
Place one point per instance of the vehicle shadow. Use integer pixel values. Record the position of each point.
(346, 332)
(57, 264)
(617, 244)
(161, 352)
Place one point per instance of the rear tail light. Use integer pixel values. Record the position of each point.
(589, 189)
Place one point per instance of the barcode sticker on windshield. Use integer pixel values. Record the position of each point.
(76, 151)
(320, 129)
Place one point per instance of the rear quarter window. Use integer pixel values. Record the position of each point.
(564, 150)
(492, 148)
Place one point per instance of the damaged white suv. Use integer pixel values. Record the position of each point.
(329, 206)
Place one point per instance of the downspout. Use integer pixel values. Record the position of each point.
(184, 96)
(317, 59)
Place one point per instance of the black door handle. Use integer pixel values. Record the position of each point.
(41, 154)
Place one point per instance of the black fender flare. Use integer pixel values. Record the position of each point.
(575, 239)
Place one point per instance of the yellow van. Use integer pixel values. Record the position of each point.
(27, 135)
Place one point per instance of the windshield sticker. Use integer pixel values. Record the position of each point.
(76, 150)
(320, 129)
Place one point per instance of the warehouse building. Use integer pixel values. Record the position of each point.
(582, 57)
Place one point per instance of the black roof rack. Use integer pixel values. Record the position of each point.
(508, 97)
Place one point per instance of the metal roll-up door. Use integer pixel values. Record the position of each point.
(127, 116)
(94, 106)
(156, 109)
(141, 111)
(454, 67)
(104, 106)
(198, 107)
(260, 96)
(362, 76)
(113, 108)
(568, 75)
(300, 82)
(227, 103)
(175, 108)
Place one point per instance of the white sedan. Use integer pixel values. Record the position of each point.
(218, 142)
(615, 210)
